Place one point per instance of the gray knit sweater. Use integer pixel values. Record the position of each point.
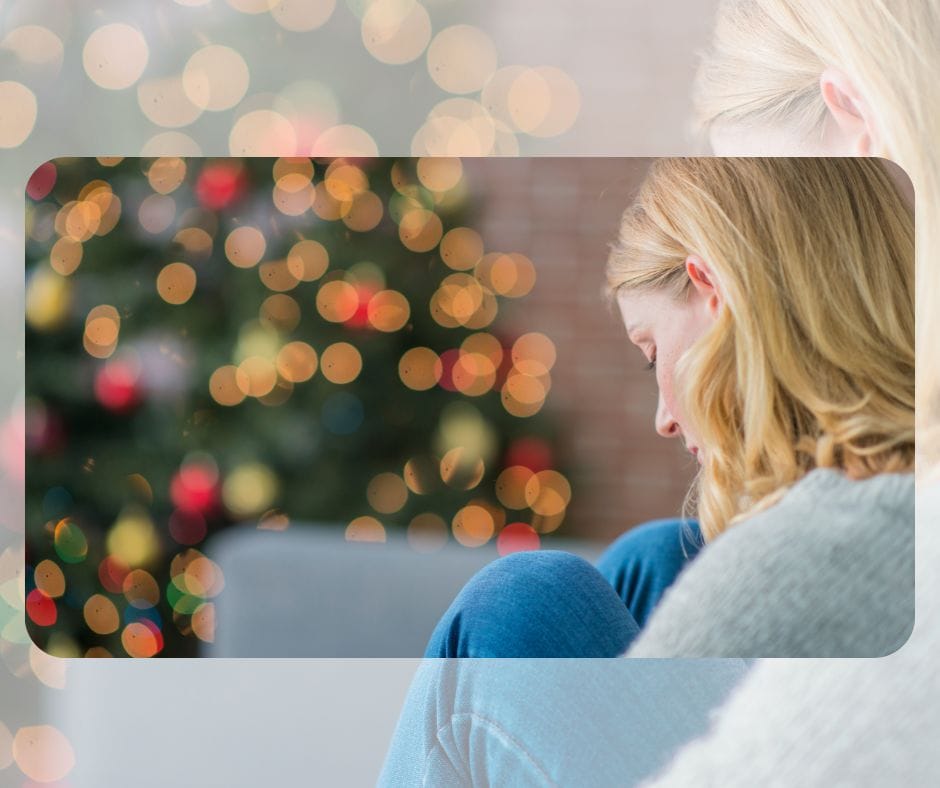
(826, 572)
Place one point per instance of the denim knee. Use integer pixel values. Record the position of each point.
(642, 563)
(535, 603)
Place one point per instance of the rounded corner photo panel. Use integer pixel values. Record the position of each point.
(443, 407)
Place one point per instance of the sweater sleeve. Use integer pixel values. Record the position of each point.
(827, 572)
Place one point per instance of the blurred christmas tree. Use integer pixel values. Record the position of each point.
(211, 342)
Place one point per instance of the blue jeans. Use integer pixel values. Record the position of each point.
(554, 722)
(549, 603)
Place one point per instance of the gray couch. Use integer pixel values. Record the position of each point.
(307, 592)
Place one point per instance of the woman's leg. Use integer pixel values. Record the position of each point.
(520, 722)
(544, 603)
(645, 561)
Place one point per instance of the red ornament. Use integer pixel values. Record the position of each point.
(193, 488)
(155, 631)
(117, 387)
(533, 453)
(219, 185)
(41, 609)
(40, 183)
(516, 538)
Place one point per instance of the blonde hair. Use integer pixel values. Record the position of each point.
(810, 362)
(763, 69)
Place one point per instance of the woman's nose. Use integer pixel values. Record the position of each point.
(666, 425)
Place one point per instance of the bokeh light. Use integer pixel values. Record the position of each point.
(301, 16)
(132, 540)
(156, 213)
(533, 354)
(256, 376)
(262, 132)
(388, 310)
(395, 31)
(35, 45)
(543, 101)
(245, 246)
(387, 493)
(19, 113)
(341, 363)
(420, 368)
(420, 230)
(203, 622)
(49, 578)
(250, 489)
(548, 493)
(293, 194)
(458, 127)
(100, 614)
(337, 301)
(511, 275)
(439, 174)
(115, 56)
(365, 529)
(164, 102)
(473, 526)
(517, 537)
(223, 386)
(48, 670)
(70, 543)
(277, 275)
(102, 328)
(461, 58)
(345, 140)
(364, 213)
(511, 486)
(461, 248)
(176, 283)
(41, 609)
(42, 181)
(462, 469)
(280, 311)
(47, 299)
(296, 362)
(43, 753)
(193, 244)
(166, 174)
(422, 475)
(427, 533)
(142, 639)
(141, 589)
(215, 78)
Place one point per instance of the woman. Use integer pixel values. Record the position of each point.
(861, 76)
(841, 78)
(774, 298)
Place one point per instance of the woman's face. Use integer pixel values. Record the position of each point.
(663, 328)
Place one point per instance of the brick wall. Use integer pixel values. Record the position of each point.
(562, 213)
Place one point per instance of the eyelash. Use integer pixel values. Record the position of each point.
(651, 365)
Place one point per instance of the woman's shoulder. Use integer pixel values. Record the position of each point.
(826, 507)
(828, 571)
(830, 487)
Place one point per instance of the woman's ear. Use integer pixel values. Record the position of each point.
(851, 116)
(704, 282)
